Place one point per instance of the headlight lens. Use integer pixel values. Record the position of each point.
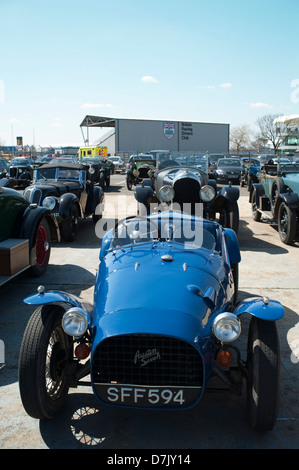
(167, 193)
(49, 203)
(226, 327)
(75, 321)
(207, 193)
(136, 172)
(91, 170)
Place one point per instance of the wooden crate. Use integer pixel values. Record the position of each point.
(14, 256)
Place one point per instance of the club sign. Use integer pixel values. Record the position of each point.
(168, 128)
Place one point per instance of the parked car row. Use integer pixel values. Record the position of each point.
(163, 348)
(19, 171)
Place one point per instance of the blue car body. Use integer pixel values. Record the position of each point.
(157, 297)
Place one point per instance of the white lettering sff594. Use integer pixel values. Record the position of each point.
(152, 395)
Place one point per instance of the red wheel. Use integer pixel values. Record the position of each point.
(42, 249)
(41, 245)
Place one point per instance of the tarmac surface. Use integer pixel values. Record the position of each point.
(219, 421)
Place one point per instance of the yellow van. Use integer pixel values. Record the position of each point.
(92, 152)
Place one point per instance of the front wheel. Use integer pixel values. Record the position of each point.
(287, 223)
(102, 181)
(129, 184)
(263, 381)
(256, 215)
(42, 248)
(45, 355)
(229, 216)
(69, 226)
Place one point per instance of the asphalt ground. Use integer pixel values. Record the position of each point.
(219, 421)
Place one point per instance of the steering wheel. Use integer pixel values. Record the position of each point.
(132, 217)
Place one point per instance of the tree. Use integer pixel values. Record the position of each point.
(240, 138)
(258, 144)
(272, 132)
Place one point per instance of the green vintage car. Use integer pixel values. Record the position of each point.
(276, 197)
(26, 234)
(140, 168)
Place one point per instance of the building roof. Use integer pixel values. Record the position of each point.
(97, 121)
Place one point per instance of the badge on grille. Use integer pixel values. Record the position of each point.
(143, 358)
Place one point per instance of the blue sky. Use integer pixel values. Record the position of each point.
(221, 61)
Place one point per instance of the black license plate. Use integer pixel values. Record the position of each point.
(147, 396)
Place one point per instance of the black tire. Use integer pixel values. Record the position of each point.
(69, 226)
(287, 223)
(235, 273)
(42, 248)
(249, 182)
(46, 351)
(229, 215)
(256, 215)
(278, 187)
(98, 216)
(263, 381)
(102, 180)
(129, 184)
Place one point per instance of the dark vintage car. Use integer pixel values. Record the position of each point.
(228, 170)
(65, 190)
(21, 171)
(41, 161)
(26, 233)
(276, 197)
(164, 348)
(176, 184)
(99, 170)
(139, 168)
(4, 167)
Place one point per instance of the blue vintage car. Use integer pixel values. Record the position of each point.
(276, 197)
(163, 323)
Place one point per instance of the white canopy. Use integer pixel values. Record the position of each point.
(292, 120)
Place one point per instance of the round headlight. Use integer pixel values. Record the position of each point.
(207, 193)
(136, 172)
(166, 193)
(91, 170)
(226, 327)
(49, 203)
(75, 321)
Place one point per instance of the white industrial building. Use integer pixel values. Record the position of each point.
(130, 136)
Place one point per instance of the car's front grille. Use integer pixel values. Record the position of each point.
(33, 195)
(186, 191)
(143, 172)
(13, 172)
(147, 360)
